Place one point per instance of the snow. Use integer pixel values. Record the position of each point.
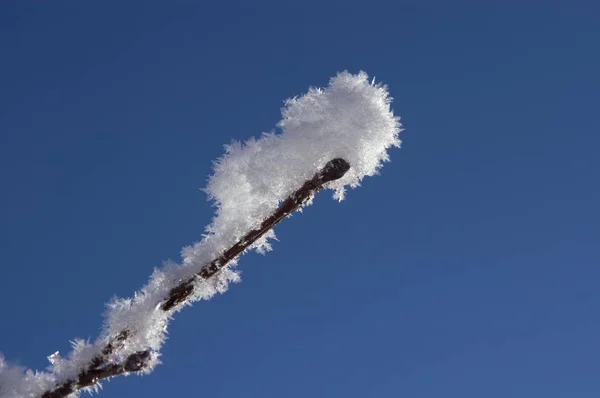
(351, 118)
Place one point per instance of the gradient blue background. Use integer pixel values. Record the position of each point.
(469, 268)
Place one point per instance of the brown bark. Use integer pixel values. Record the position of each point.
(100, 367)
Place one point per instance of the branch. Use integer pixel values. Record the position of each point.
(100, 367)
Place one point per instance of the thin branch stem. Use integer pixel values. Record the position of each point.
(100, 368)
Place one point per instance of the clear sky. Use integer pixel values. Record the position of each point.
(468, 268)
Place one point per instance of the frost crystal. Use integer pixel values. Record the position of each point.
(350, 119)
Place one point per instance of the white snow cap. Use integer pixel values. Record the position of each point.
(350, 119)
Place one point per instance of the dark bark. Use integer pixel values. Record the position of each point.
(100, 368)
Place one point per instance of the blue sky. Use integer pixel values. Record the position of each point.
(468, 268)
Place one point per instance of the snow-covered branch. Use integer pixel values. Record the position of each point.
(329, 138)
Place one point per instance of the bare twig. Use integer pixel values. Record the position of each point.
(100, 368)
